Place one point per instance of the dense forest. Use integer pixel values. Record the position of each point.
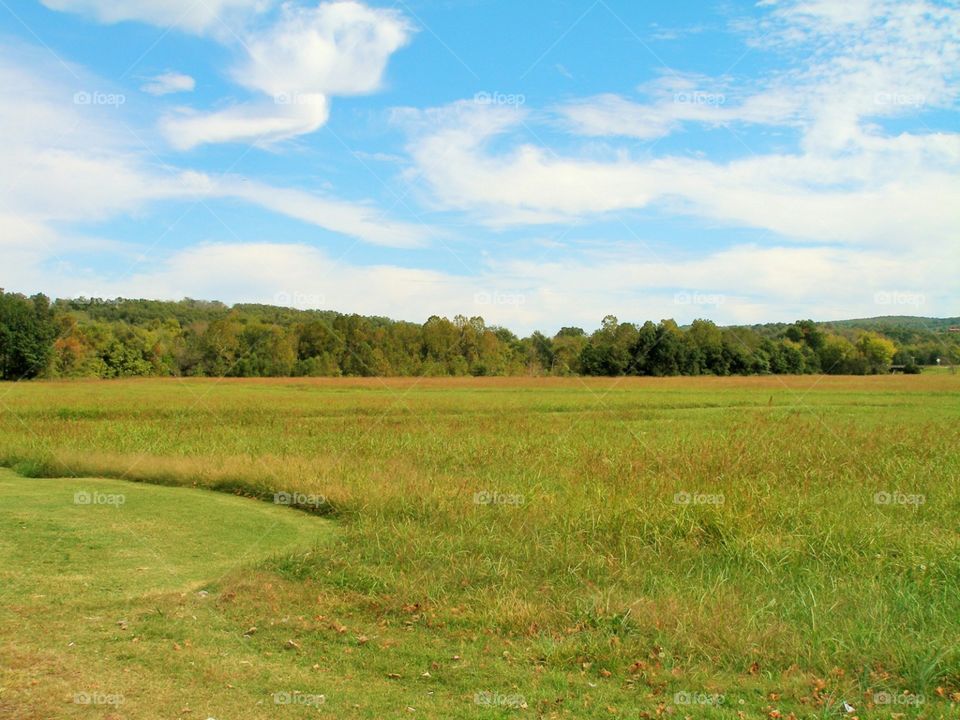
(124, 338)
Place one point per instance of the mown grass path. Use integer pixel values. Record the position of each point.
(86, 562)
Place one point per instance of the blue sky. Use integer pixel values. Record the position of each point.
(537, 164)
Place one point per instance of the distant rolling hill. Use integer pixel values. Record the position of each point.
(905, 324)
(912, 322)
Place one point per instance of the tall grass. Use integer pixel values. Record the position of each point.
(784, 560)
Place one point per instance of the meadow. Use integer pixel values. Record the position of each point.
(739, 547)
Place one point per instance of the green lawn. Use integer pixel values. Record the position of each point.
(101, 578)
(601, 548)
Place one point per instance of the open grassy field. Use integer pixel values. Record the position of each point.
(483, 548)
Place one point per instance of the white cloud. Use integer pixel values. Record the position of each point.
(356, 220)
(676, 99)
(66, 161)
(742, 284)
(263, 272)
(260, 123)
(866, 210)
(739, 285)
(92, 173)
(850, 181)
(300, 60)
(266, 271)
(307, 56)
(80, 163)
(335, 48)
(189, 15)
(862, 60)
(842, 63)
(169, 82)
(360, 220)
(894, 190)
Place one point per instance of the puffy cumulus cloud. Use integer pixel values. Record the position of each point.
(169, 82)
(301, 60)
(335, 48)
(190, 15)
(527, 184)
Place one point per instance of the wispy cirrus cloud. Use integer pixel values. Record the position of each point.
(188, 15)
(168, 83)
(81, 163)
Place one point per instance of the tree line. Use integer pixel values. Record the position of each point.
(126, 338)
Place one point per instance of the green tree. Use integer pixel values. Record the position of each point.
(27, 333)
(806, 332)
(646, 340)
(877, 351)
(221, 346)
(357, 358)
(837, 355)
(568, 345)
(667, 355)
(120, 337)
(609, 351)
(542, 352)
(706, 341)
(441, 345)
